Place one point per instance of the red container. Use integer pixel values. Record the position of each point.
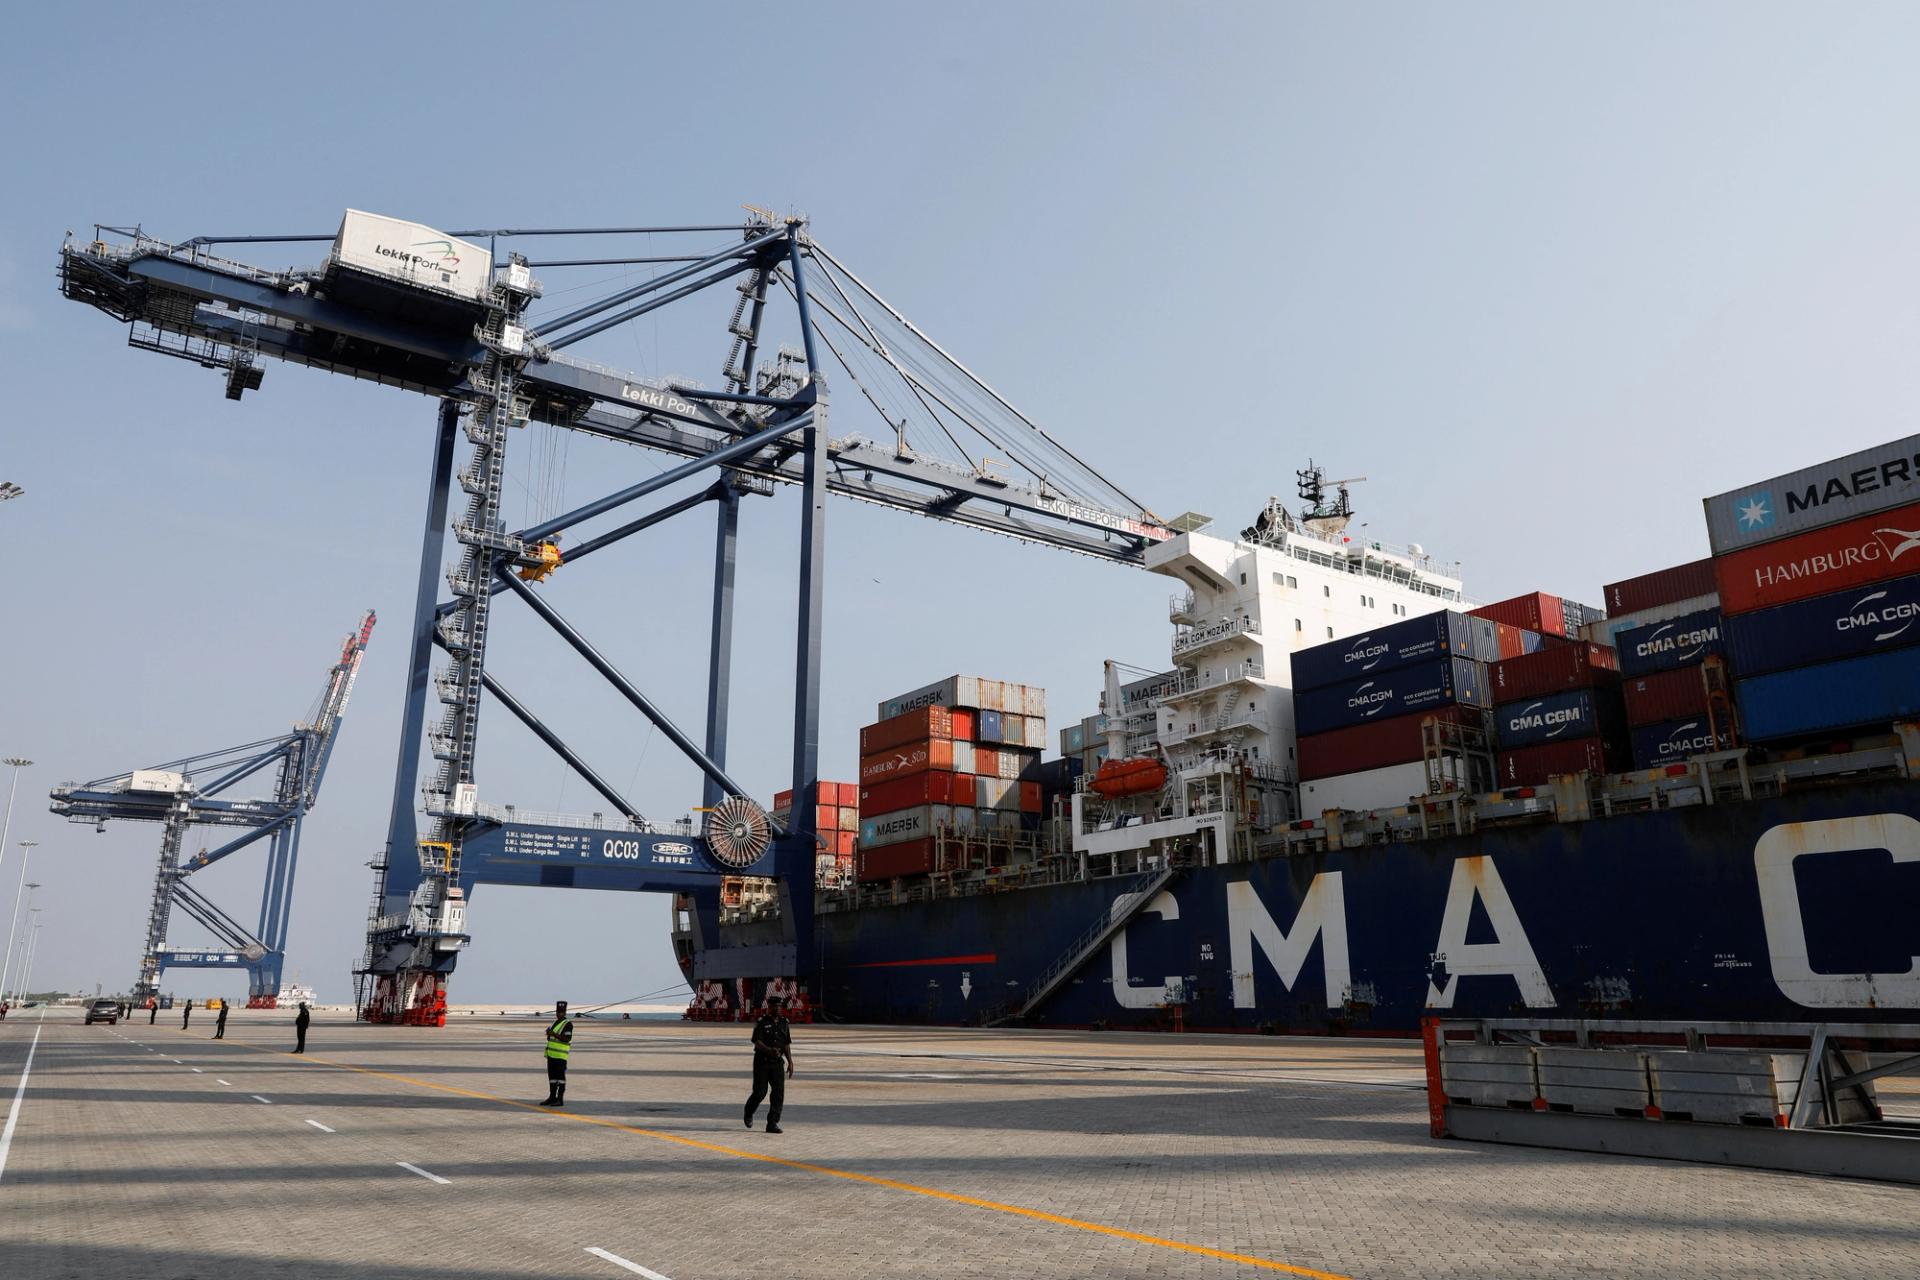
(1666, 695)
(1533, 766)
(914, 726)
(1029, 797)
(1554, 669)
(783, 802)
(1853, 554)
(826, 817)
(1664, 586)
(986, 761)
(905, 761)
(931, 787)
(849, 793)
(1373, 745)
(1511, 640)
(1535, 611)
(845, 843)
(964, 723)
(908, 858)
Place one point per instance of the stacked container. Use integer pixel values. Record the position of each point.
(836, 823)
(1542, 614)
(1359, 704)
(1557, 711)
(1666, 624)
(1819, 580)
(943, 763)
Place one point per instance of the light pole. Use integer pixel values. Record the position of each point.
(19, 896)
(6, 825)
(33, 942)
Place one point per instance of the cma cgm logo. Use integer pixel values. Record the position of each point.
(1755, 511)
(1686, 740)
(1532, 717)
(1865, 614)
(1371, 698)
(1367, 655)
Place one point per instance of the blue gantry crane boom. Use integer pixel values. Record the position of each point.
(200, 791)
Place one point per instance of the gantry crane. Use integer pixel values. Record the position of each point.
(194, 791)
(450, 315)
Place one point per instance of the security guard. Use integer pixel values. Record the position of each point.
(772, 1048)
(559, 1044)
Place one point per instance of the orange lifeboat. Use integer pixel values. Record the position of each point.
(1129, 777)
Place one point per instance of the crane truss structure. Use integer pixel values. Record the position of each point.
(497, 360)
(197, 791)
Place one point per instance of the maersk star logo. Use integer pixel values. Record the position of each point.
(1755, 512)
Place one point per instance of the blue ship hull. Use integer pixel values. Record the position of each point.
(1801, 907)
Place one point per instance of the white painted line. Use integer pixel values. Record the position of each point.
(13, 1112)
(322, 1128)
(257, 1098)
(634, 1267)
(430, 1177)
(197, 1071)
(228, 1084)
(176, 1062)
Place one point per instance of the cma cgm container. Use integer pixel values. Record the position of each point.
(1844, 624)
(1532, 766)
(1857, 693)
(1552, 670)
(1375, 744)
(1394, 693)
(1665, 695)
(1671, 741)
(1403, 644)
(1663, 586)
(1579, 713)
(1678, 642)
(1607, 630)
(1860, 484)
(1837, 558)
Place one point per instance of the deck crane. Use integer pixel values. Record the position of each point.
(461, 316)
(196, 791)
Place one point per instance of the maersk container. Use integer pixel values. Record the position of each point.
(1375, 744)
(1534, 766)
(1873, 480)
(1665, 695)
(1552, 670)
(879, 830)
(1671, 741)
(1869, 692)
(1403, 644)
(1860, 552)
(1827, 628)
(1678, 642)
(1579, 713)
(1072, 739)
(1423, 687)
(1663, 586)
(413, 254)
(954, 691)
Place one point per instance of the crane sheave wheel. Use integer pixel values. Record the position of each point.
(254, 951)
(737, 832)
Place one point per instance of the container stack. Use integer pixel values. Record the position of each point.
(941, 762)
(1547, 616)
(1819, 579)
(1558, 711)
(1359, 704)
(1667, 625)
(1084, 745)
(837, 824)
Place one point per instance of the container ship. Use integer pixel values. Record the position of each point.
(1356, 796)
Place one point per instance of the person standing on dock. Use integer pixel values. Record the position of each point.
(186, 1015)
(772, 1063)
(300, 1028)
(153, 1009)
(559, 1045)
(220, 1024)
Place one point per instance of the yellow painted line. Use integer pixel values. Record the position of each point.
(1039, 1215)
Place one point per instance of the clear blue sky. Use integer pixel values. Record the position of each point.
(1546, 275)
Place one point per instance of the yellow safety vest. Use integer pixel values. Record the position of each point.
(556, 1047)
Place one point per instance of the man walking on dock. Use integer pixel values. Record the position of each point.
(220, 1024)
(559, 1045)
(300, 1028)
(186, 1015)
(772, 1063)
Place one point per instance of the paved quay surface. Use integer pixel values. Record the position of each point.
(146, 1152)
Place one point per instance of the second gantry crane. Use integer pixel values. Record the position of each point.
(195, 791)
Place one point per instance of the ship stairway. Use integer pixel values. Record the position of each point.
(1084, 947)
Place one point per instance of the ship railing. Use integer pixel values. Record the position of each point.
(1180, 606)
(505, 813)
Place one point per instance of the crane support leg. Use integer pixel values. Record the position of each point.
(720, 665)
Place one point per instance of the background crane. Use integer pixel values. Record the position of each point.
(195, 791)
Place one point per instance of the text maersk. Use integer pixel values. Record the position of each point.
(1852, 485)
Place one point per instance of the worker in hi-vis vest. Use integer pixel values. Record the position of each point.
(559, 1044)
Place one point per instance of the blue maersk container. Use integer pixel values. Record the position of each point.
(1677, 642)
(1845, 624)
(1438, 683)
(1578, 713)
(1389, 648)
(1670, 741)
(1858, 693)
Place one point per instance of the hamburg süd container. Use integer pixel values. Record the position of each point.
(1394, 693)
(1843, 624)
(1678, 642)
(1868, 693)
(1672, 741)
(1578, 713)
(1872, 549)
(1663, 586)
(920, 723)
(1535, 611)
(1403, 644)
(907, 824)
(1533, 766)
(1375, 744)
(905, 760)
(413, 254)
(1665, 695)
(1573, 665)
(1860, 484)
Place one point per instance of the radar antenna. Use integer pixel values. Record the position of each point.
(1318, 514)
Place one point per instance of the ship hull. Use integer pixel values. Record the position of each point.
(1802, 907)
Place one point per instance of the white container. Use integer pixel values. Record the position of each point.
(1388, 788)
(1033, 700)
(1013, 729)
(158, 781)
(907, 824)
(412, 254)
(964, 759)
